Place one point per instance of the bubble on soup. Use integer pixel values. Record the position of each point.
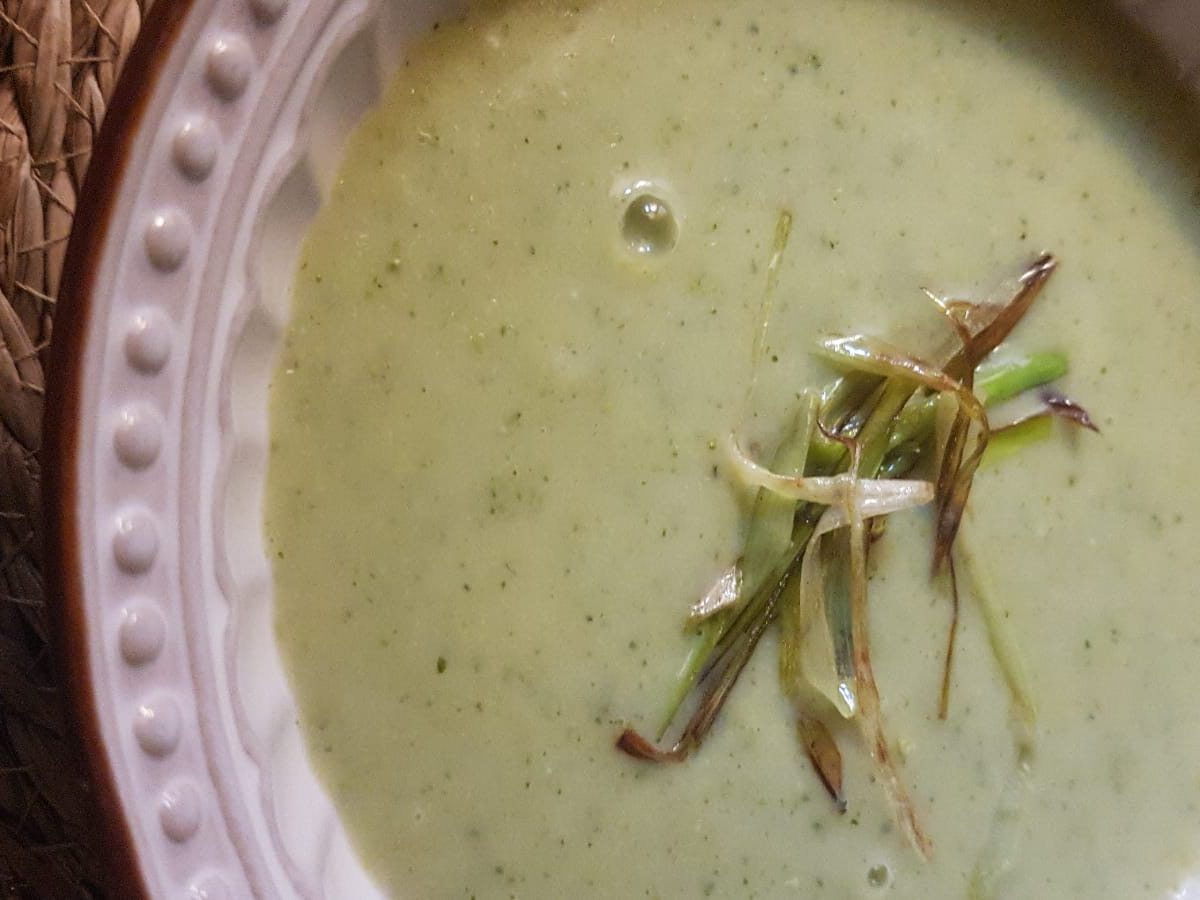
(879, 876)
(649, 227)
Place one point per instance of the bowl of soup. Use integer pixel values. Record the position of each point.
(395, 383)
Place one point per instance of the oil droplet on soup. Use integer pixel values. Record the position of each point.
(496, 480)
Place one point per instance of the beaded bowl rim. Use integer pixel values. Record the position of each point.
(219, 149)
(110, 154)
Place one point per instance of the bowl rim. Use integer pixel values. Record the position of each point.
(61, 424)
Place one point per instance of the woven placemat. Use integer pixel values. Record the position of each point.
(59, 61)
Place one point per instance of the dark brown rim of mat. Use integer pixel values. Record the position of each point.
(76, 307)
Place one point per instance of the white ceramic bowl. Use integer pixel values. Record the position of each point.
(219, 147)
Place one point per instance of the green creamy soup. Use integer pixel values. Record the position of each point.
(499, 472)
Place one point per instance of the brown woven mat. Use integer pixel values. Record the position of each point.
(59, 61)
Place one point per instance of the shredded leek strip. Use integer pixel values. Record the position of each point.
(957, 471)
(724, 593)
(807, 670)
(997, 382)
(807, 665)
(990, 323)
(1015, 438)
(1004, 648)
(887, 495)
(783, 230)
(767, 552)
(870, 718)
(708, 643)
(771, 522)
(811, 649)
(846, 462)
(888, 399)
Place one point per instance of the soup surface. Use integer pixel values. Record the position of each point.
(497, 478)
